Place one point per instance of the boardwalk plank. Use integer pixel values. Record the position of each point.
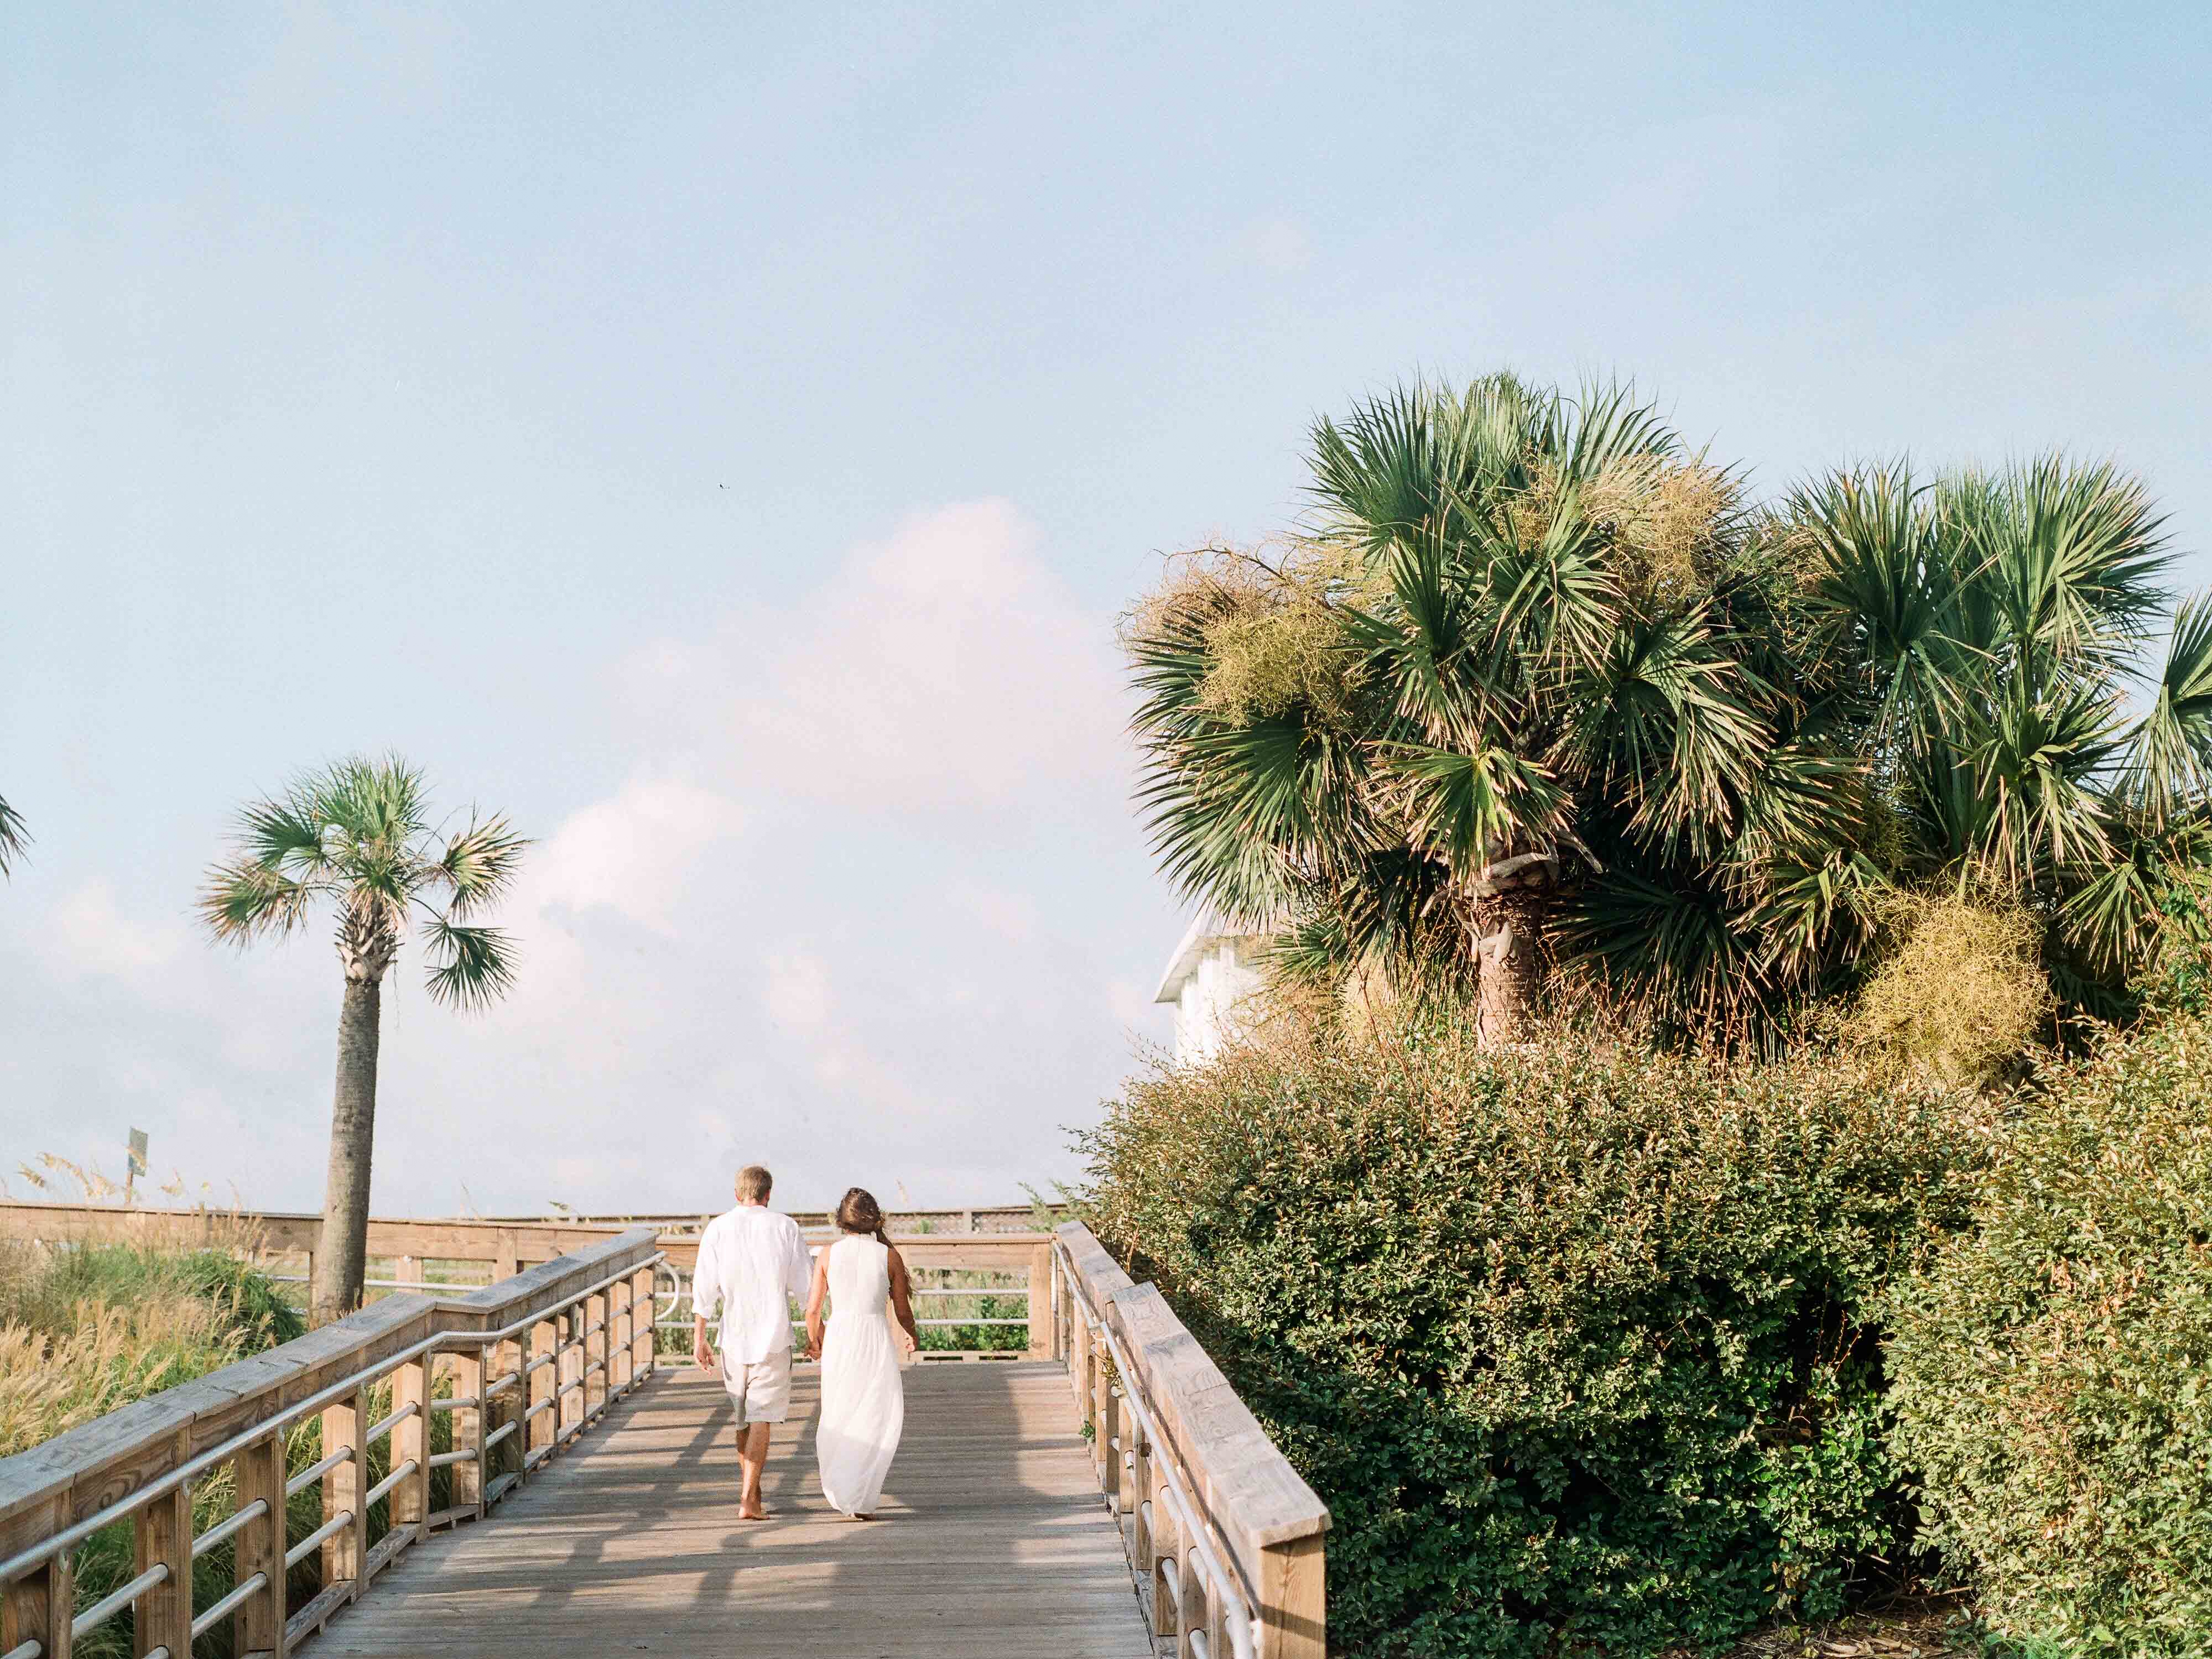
(993, 1542)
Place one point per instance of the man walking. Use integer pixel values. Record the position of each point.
(752, 1265)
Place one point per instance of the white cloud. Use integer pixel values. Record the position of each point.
(92, 936)
(797, 993)
(945, 668)
(860, 912)
(632, 853)
(1011, 916)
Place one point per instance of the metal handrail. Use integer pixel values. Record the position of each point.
(37, 1554)
(1192, 1520)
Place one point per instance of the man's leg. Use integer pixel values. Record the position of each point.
(752, 1458)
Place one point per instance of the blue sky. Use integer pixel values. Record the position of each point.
(724, 439)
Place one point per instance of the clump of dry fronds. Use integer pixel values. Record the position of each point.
(1272, 636)
(1961, 995)
(1665, 517)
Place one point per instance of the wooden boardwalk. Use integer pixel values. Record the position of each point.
(993, 1541)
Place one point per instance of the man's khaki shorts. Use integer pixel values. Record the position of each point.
(761, 1392)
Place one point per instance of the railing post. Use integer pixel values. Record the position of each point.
(343, 1550)
(487, 1373)
(1293, 1599)
(505, 1360)
(410, 1437)
(163, 1538)
(544, 1338)
(1196, 1613)
(1167, 1579)
(647, 1333)
(622, 1332)
(597, 1340)
(1086, 1372)
(468, 1432)
(567, 1372)
(1040, 1303)
(38, 1606)
(258, 1627)
(1111, 1432)
(1140, 1504)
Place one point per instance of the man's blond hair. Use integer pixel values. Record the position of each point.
(755, 1183)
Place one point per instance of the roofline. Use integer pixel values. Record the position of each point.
(1207, 929)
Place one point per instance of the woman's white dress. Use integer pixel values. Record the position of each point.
(863, 1398)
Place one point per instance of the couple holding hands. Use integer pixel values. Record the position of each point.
(750, 1260)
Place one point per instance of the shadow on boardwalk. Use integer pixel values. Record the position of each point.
(993, 1541)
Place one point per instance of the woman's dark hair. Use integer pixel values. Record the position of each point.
(859, 1212)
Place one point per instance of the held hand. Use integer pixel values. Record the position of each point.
(700, 1357)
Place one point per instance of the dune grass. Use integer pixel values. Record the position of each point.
(86, 1329)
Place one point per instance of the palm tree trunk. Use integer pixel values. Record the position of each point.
(342, 1257)
(1510, 912)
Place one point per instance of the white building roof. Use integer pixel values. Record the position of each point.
(1207, 930)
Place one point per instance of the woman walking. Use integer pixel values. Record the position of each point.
(863, 1399)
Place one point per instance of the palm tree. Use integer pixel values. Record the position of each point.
(1535, 685)
(1517, 652)
(12, 837)
(1986, 628)
(358, 836)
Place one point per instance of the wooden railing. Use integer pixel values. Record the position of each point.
(520, 1369)
(1016, 1263)
(1221, 1528)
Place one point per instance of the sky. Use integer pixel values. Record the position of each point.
(721, 438)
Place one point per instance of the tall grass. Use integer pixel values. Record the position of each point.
(86, 1329)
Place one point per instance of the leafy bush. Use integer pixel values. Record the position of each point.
(2053, 1367)
(1572, 1342)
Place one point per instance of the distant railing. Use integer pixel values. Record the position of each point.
(424, 1252)
(527, 1364)
(1018, 1267)
(1227, 1534)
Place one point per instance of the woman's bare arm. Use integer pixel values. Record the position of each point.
(815, 1297)
(901, 1303)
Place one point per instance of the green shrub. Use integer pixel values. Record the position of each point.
(1572, 1342)
(2053, 1368)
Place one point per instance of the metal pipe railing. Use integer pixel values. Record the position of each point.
(281, 1423)
(1192, 1522)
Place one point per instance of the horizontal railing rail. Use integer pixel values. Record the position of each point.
(498, 1250)
(587, 1320)
(1022, 1261)
(1225, 1534)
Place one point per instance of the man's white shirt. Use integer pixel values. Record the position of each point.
(750, 1259)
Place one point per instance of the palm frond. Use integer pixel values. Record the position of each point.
(1883, 593)
(478, 864)
(246, 899)
(471, 968)
(12, 838)
(1678, 953)
(2035, 771)
(2167, 769)
(2072, 558)
(1470, 809)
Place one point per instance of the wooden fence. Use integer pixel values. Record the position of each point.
(519, 1368)
(1016, 1263)
(1221, 1528)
